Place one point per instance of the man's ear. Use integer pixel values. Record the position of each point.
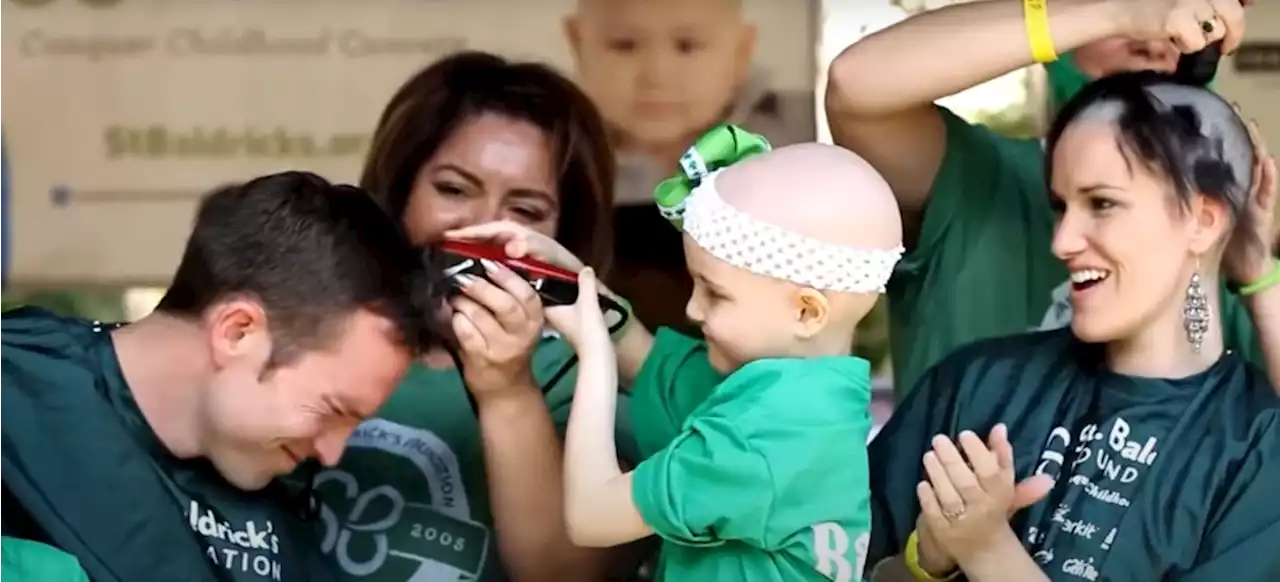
(813, 311)
(237, 331)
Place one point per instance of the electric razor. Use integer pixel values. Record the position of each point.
(554, 285)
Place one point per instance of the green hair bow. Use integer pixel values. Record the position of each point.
(721, 147)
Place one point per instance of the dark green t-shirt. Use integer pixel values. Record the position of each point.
(982, 266)
(86, 467)
(410, 499)
(1171, 480)
(765, 475)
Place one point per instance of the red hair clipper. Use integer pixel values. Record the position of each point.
(556, 286)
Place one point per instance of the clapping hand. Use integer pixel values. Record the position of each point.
(968, 498)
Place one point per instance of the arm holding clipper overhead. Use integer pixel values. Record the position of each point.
(893, 122)
(1250, 264)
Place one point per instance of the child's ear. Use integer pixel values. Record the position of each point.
(746, 52)
(813, 311)
(572, 35)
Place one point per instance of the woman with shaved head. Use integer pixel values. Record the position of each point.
(1145, 448)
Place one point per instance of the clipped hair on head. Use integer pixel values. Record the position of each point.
(1188, 134)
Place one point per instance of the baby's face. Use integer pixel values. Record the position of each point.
(743, 316)
(661, 70)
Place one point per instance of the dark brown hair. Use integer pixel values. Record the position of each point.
(312, 253)
(436, 101)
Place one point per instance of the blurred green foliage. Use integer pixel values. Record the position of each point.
(872, 340)
(96, 304)
(1016, 122)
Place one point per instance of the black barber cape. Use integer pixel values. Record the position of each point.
(1156, 480)
(83, 471)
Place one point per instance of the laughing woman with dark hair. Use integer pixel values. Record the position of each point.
(1147, 450)
(458, 476)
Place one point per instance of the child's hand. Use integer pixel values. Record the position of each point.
(519, 241)
(582, 324)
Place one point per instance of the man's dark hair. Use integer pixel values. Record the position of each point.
(444, 96)
(312, 253)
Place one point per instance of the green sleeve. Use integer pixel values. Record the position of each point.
(554, 355)
(985, 179)
(712, 483)
(758, 463)
(28, 561)
(708, 486)
(673, 381)
(1242, 542)
(987, 216)
(895, 458)
(1238, 330)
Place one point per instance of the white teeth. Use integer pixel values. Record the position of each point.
(1088, 275)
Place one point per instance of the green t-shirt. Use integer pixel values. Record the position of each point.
(1171, 480)
(97, 483)
(675, 378)
(409, 500)
(982, 266)
(27, 561)
(767, 477)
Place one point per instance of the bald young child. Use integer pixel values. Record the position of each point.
(663, 72)
(765, 477)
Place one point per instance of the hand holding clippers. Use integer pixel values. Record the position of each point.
(554, 285)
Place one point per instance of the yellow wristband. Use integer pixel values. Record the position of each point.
(911, 557)
(1036, 14)
(1266, 282)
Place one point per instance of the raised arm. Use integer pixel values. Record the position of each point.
(889, 118)
(497, 325)
(1259, 271)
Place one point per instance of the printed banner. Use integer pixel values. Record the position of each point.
(121, 112)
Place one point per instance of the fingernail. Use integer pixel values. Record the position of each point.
(464, 279)
(489, 265)
(967, 433)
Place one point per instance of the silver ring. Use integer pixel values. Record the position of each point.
(953, 515)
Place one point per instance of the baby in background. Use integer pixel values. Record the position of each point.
(663, 72)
